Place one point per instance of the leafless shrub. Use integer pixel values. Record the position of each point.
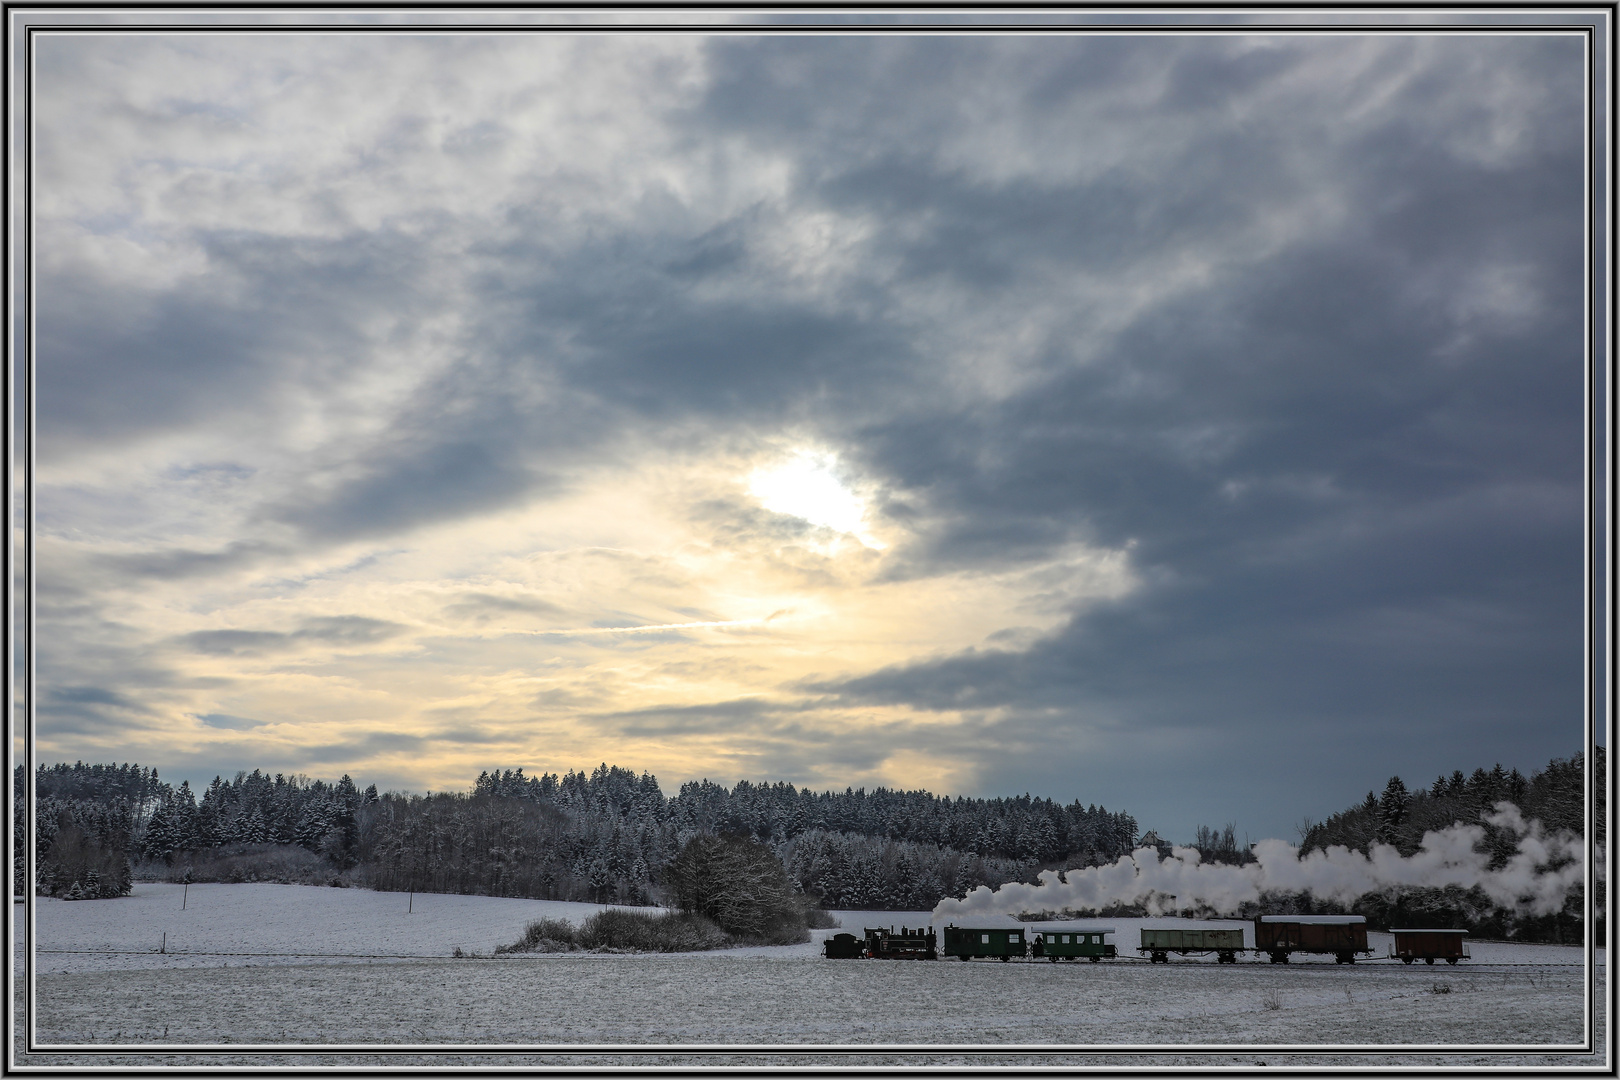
(1440, 988)
(1272, 1001)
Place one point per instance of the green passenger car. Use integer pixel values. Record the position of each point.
(967, 942)
(1084, 941)
(1159, 943)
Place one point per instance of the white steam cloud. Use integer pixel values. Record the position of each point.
(1535, 881)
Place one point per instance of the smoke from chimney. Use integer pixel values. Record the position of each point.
(1535, 881)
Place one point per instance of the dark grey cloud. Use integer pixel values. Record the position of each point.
(342, 631)
(472, 734)
(173, 564)
(91, 710)
(744, 714)
(237, 642)
(429, 483)
(118, 361)
(229, 722)
(643, 338)
(481, 607)
(379, 742)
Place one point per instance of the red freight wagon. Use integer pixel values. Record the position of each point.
(1281, 935)
(1429, 946)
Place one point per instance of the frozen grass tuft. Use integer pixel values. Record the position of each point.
(1440, 988)
(1272, 1001)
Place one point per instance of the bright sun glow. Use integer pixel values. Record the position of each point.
(806, 487)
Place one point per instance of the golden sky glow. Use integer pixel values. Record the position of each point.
(625, 619)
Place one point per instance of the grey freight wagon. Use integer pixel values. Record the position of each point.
(1429, 946)
(1342, 936)
(967, 942)
(1159, 943)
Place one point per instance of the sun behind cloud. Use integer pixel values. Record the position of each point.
(807, 486)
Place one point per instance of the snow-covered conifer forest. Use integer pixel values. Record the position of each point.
(609, 836)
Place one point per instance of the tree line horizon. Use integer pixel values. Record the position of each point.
(608, 836)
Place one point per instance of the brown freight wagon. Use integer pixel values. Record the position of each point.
(1342, 936)
(1429, 946)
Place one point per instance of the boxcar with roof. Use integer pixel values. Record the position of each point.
(1341, 936)
(1429, 946)
(1074, 943)
(1159, 942)
(968, 942)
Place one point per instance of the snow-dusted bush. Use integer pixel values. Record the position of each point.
(639, 931)
(741, 885)
(544, 936)
(616, 930)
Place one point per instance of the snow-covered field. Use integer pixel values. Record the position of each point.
(261, 924)
(354, 967)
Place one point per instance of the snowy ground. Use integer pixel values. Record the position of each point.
(353, 967)
(275, 924)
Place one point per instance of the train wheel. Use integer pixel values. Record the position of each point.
(1094, 959)
(1406, 959)
(1451, 960)
(1429, 960)
(1004, 959)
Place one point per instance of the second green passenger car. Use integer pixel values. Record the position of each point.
(1085, 941)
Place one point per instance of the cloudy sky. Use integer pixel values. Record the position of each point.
(1190, 424)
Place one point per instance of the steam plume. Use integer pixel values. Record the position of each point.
(1535, 881)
